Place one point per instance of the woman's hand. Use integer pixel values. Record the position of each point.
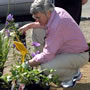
(33, 63)
(24, 28)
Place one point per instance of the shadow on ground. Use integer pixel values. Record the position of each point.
(79, 86)
(85, 18)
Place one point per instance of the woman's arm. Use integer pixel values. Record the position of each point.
(26, 27)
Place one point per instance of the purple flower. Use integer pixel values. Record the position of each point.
(38, 52)
(34, 54)
(14, 46)
(36, 44)
(8, 33)
(6, 24)
(10, 17)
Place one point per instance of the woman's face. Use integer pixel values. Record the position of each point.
(42, 18)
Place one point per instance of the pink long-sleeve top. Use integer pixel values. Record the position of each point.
(63, 36)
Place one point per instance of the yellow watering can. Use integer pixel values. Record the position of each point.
(19, 45)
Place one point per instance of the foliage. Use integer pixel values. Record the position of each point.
(89, 44)
(12, 27)
(22, 73)
(29, 75)
(4, 48)
(6, 36)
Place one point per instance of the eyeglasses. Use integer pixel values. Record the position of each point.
(36, 18)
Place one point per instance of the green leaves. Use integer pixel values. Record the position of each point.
(4, 49)
(6, 38)
(89, 44)
(31, 75)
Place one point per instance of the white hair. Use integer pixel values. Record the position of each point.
(41, 6)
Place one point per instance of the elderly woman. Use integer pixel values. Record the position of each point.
(63, 45)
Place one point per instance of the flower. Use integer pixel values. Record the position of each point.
(34, 54)
(12, 34)
(6, 23)
(2, 31)
(14, 46)
(50, 76)
(36, 44)
(7, 32)
(38, 52)
(9, 17)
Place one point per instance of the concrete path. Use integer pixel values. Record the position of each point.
(86, 9)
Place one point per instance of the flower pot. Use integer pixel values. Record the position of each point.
(1, 70)
(36, 87)
(5, 88)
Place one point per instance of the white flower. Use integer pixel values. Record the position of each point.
(8, 78)
(16, 25)
(6, 37)
(12, 34)
(47, 84)
(2, 31)
(50, 76)
(17, 66)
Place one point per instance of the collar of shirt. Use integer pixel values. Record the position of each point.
(51, 19)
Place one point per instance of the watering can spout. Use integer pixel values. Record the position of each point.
(21, 48)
